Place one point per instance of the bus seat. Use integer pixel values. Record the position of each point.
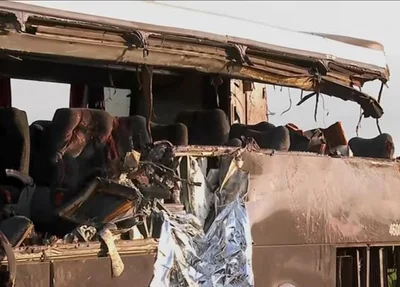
(335, 135)
(79, 145)
(177, 134)
(205, 127)
(36, 133)
(5, 92)
(299, 143)
(265, 134)
(74, 149)
(129, 132)
(381, 146)
(238, 130)
(276, 138)
(15, 143)
(235, 142)
(14, 156)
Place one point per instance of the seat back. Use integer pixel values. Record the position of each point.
(206, 127)
(74, 150)
(15, 140)
(381, 146)
(129, 132)
(37, 140)
(277, 138)
(267, 135)
(239, 130)
(177, 134)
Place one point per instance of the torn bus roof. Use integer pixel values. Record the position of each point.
(334, 65)
(189, 22)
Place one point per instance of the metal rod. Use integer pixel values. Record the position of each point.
(358, 268)
(381, 272)
(368, 263)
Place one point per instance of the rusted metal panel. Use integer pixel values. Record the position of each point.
(310, 199)
(257, 104)
(97, 272)
(249, 105)
(172, 49)
(33, 274)
(299, 265)
(65, 251)
(164, 57)
(302, 266)
(103, 22)
(238, 102)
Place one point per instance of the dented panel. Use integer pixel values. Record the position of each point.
(97, 272)
(301, 208)
(309, 199)
(52, 34)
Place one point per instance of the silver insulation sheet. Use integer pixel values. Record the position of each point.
(214, 254)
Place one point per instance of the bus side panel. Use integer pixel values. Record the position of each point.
(97, 272)
(302, 266)
(35, 274)
(297, 199)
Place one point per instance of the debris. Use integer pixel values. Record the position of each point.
(101, 202)
(161, 153)
(134, 234)
(131, 161)
(339, 151)
(201, 194)
(70, 238)
(116, 262)
(12, 263)
(16, 229)
(317, 142)
(220, 256)
(86, 232)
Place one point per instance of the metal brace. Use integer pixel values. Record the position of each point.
(237, 53)
(137, 39)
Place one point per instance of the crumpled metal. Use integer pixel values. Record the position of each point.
(221, 256)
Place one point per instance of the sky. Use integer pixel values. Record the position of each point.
(373, 20)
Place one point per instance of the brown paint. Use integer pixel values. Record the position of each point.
(310, 199)
(301, 207)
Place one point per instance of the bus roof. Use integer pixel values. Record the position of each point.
(159, 16)
(177, 37)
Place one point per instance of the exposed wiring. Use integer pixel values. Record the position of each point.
(379, 102)
(112, 86)
(378, 126)
(290, 103)
(306, 98)
(325, 110)
(359, 122)
(316, 106)
(269, 113)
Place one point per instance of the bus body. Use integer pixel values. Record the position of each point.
(315, 220)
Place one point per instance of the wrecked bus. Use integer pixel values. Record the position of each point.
(194, 187)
